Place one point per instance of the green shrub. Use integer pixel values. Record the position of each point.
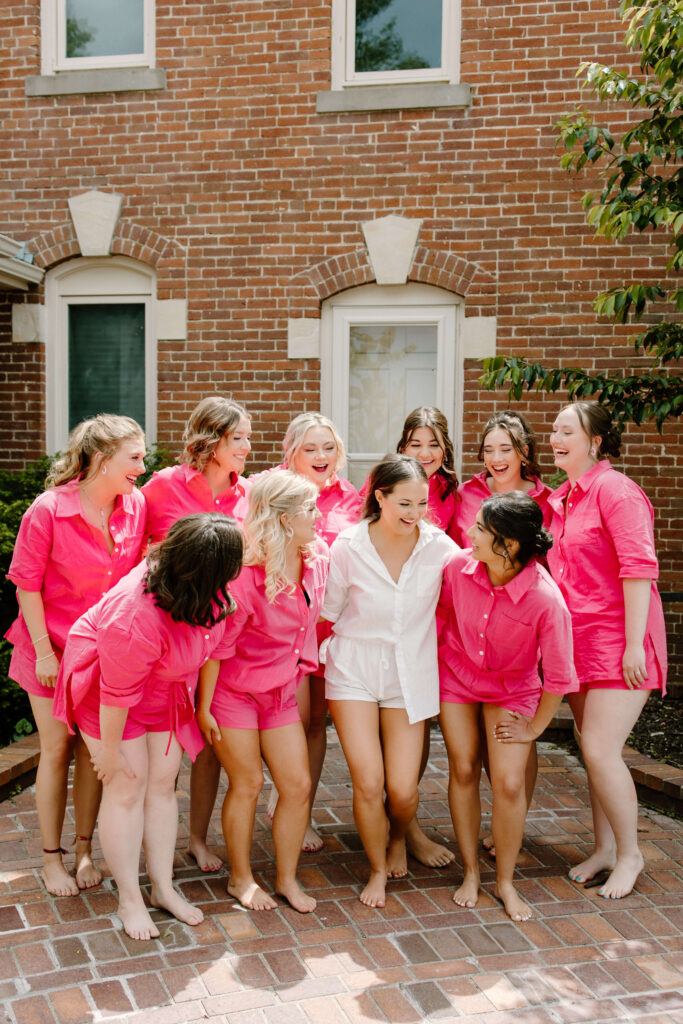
(17, 491)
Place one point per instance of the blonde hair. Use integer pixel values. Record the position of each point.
(102, 435)
(272, 496)
(293, 440)
(211, 420)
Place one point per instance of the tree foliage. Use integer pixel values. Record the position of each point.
(380, 48)
(642, 175)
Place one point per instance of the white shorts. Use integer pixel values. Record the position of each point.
(362, 670)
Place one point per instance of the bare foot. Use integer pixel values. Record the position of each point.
(273, 798)
(467, 894)
(397, 859)
(136, 920)
(200, 852)
(426, 851)
(374, 893)
(487, 843)
(623, 877)
(57, 879)
(515, 907)
(312, 841)
(87, 875)
(251, 895)
(598, 861)
(177, 905)
(295, 896)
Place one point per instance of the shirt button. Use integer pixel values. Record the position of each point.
(486, 616)
(109, 572)
(481, 654)
(206, 636)
(481, 635)
(296, 650)
(217, 502)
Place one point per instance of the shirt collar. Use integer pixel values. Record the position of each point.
(517, 586)
(191, 475)
(68, 501)
(584, 483)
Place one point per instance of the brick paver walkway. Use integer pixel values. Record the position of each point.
(581, 959)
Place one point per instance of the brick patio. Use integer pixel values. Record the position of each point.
(581, 959)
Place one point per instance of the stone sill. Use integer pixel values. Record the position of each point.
(72, 83)
(393, 97)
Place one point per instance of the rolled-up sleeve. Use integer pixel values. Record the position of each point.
(556, 648)
(628, 517)
(32, 548)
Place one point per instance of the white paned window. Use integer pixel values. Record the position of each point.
(81, 35)
(385, 351)
(100, 346)
(389, 42)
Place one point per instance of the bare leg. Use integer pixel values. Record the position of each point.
(121, 825)
(419, 845)
(508, 768)
(286, 755)
(460, 727)
(316, 740)
(607, 719)
(87, 795)
(56, 747)
(530, 776)
(161, 827)
(402, 745)
(239, 752)
(204, 778)
(357, 725)
(303, 702)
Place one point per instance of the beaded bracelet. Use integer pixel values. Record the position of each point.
(45, 657)
(43, 637)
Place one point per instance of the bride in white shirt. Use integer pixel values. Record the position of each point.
(381, 666)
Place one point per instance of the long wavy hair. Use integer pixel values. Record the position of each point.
(102, 435)
(211, 420)
(271, 496)
(190, 570)
(431, 417)
(295, 436)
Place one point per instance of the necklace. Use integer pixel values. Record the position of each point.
(98, 509)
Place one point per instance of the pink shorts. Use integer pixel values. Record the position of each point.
(614, 684)
(235, 709)
(453, 691)
(22, 670)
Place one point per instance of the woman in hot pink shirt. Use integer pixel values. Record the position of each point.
(498, 615)
(128, 679)
(217, 443)
(247, 698)
(74, 543)
(508, 451)
(314, 449)
(604, 562)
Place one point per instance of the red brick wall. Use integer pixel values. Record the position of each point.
(252, 190)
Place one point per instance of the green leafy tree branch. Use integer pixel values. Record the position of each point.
(642, 174)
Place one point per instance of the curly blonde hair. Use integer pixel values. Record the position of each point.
(211, 420)
(295, 436)
(271, 496)
(102, 435)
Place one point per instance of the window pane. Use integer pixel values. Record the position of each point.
(104, 28)
(106, 361)
(392, 369)
(392, 35)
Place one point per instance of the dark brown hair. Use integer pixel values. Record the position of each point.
(521, 436)
(596, 421)
(434, 419)
(516, 516)
(190, 570)
(384, 477)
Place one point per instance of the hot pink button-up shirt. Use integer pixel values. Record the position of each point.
(494, 637)
(61, 556)
(269, 646)
(441, 511)
(474, 491)
(179, 491)
(127, 652)
(604, 533)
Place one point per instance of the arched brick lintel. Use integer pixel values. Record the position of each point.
(130, 239)
(349, 270)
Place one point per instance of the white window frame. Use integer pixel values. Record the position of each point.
(53, 43)
(89, 281)
(345, 76)
(380, 304)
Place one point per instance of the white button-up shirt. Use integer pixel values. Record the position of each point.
(365, 604)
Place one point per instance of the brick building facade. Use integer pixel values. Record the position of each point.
(255, 198)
